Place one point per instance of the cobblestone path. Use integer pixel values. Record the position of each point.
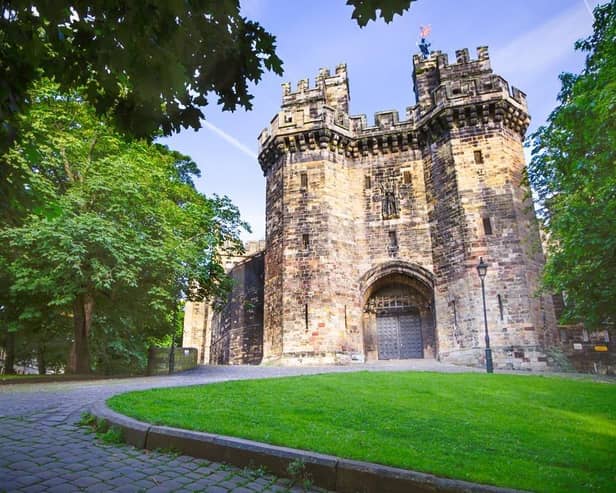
(43, 449)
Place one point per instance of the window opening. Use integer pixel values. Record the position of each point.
(393, 239)
(487, 225)
(455, 314)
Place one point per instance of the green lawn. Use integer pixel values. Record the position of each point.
(530, 432)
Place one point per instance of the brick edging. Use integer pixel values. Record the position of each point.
(326, 471)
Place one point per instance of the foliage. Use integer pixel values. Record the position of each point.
(560, 437)
(149, 66)
(573, 171)
(365, 11)
(115, 231)
(109, 434)
(152, 64)
(87, 419)
(298, 474)
(113, 436)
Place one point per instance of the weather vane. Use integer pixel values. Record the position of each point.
(424, 45)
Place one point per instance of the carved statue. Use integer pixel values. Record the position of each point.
(389, 204)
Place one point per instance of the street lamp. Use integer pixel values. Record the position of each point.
(482, 270)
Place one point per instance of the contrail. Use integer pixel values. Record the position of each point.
(589, 9)
(231, 140)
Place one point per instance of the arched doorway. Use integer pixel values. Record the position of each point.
(398, 323)
(398, 314)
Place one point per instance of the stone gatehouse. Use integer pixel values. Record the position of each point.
(374, 230)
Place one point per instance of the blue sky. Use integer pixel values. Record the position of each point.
(530, 42)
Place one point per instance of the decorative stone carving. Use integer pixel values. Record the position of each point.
(390, 204)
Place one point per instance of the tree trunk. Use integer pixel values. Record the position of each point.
(82, 319)
(40, 360)
(9, 362)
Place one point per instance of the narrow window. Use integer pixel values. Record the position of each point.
(306, 240)
(304, 181)
(407, 177)
(487, 225)
(478, 157)
(367, 182)
(288, 118)
(393, 239)
(455, 314)
(345, 318)
(306, 316)
(500, 307)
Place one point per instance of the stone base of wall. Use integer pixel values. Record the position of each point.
(315, 359)
(529, 358)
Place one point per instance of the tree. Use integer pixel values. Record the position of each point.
(149, 65)
(573, 171)
(116, 226)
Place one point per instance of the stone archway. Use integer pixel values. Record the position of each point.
(398, 321)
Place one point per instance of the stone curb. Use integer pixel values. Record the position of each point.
(326, 471)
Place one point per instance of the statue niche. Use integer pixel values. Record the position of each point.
(390, 207)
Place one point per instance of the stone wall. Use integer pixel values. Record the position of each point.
(350, 204)
(197, 315)
(237, 329)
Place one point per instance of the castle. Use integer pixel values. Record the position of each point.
(374, 232)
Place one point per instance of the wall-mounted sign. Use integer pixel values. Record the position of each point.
(577, 346)
(601, 349)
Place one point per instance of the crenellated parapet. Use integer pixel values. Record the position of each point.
(450, 97)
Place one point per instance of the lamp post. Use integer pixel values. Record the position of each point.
(482, 269)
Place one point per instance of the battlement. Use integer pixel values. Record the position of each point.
(463, 65)
(464, 93)
(436, 80)
(329, 89)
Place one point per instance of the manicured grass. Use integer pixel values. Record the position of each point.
(534, 433)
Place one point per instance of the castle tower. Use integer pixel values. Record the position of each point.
(374, 231)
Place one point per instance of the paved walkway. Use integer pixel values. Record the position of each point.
(42, 448)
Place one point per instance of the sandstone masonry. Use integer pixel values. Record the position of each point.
(374, 232)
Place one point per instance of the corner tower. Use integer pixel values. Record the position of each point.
(310, 227)
(374, 230)
(472, 126)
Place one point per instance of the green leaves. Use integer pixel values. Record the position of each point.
(150, 64)
(365, 11)
(573, 171)
(112, 219)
